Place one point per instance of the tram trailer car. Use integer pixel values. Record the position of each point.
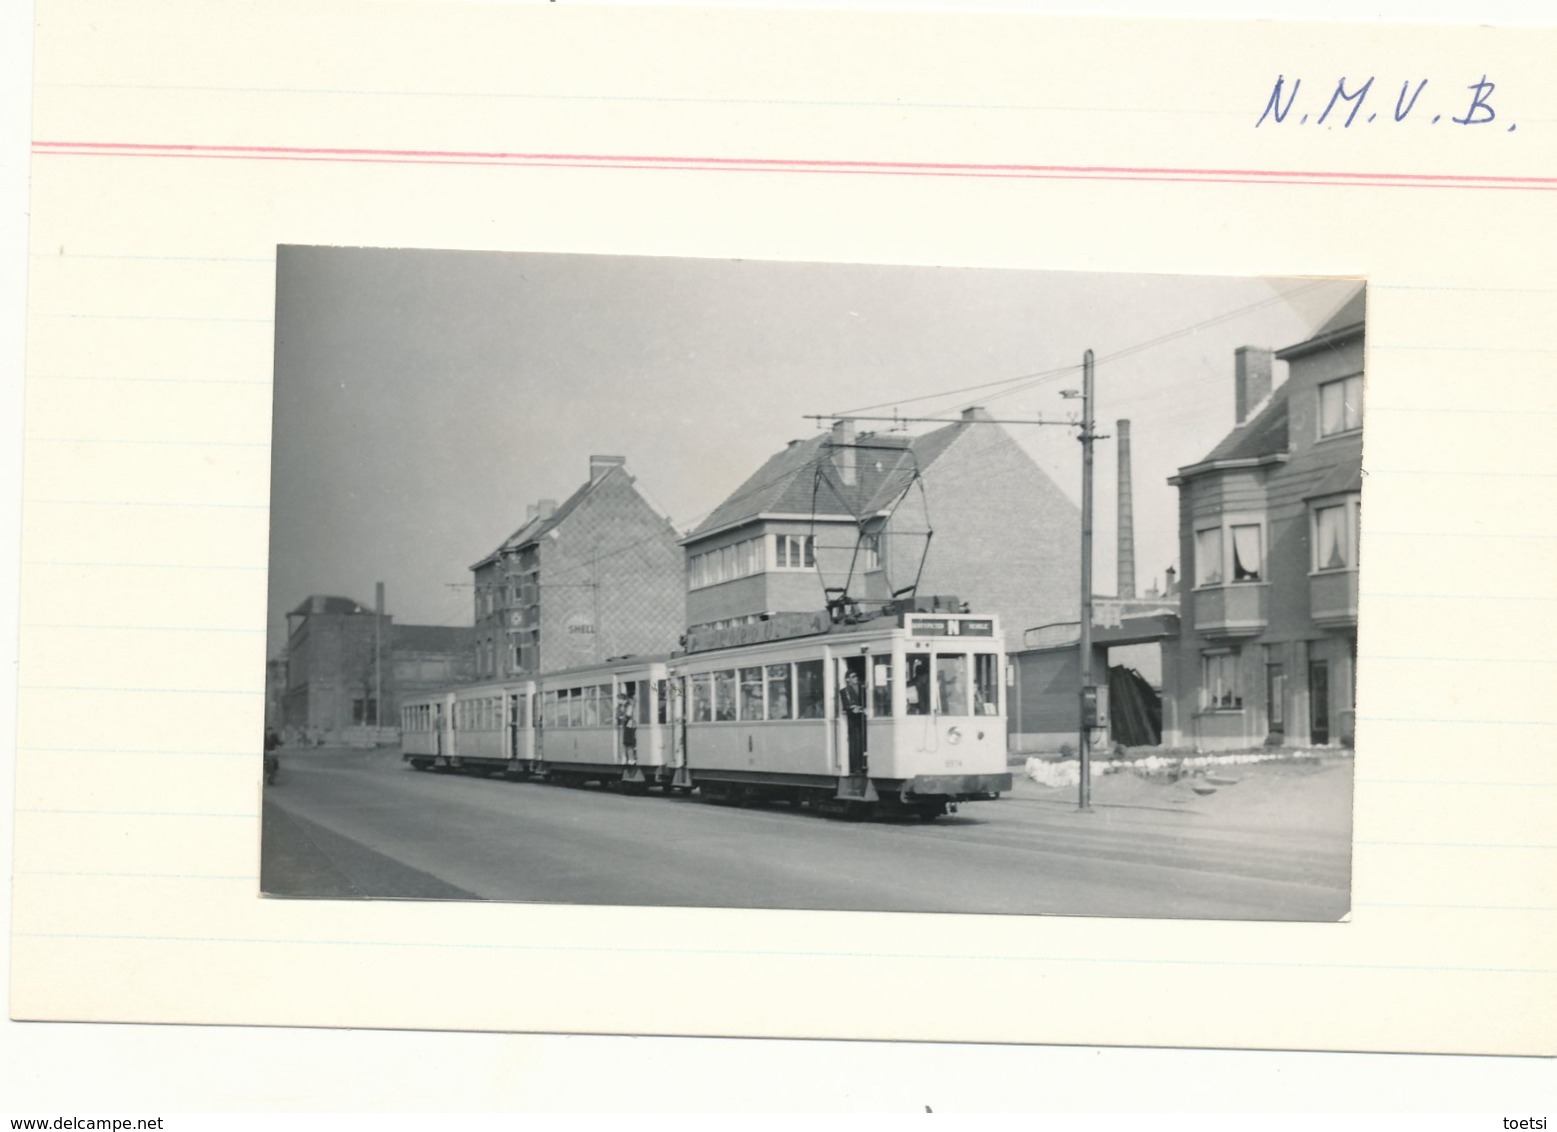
(568, 727)
(741, 718)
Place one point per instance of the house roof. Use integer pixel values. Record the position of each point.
(1350, 314)
(1264, 434)
(1344, 477)
(1346, 323)
(801, 479)
(325, 603)
(535, 529)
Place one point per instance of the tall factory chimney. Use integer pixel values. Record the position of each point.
(1126, 581)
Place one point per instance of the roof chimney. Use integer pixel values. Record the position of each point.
(600, 465)
(843, 451)
(545, 508)
(1126, 527)
(1251, 379)
(1170, 578)
(975, 413)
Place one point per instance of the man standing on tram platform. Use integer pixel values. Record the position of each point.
(627, 720)
(851, 701)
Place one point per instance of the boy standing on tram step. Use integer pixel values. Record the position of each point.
(627, 719)
(851, 698)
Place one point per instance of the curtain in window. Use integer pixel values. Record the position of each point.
(1331, 551)
(1246, 554)
(1332, 408)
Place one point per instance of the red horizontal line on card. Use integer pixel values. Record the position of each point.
(790, 165)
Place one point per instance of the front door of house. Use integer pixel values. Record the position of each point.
(1319, 701)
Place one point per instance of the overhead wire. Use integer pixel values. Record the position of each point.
(1028, 381)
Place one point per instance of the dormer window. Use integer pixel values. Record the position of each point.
(1340, 406)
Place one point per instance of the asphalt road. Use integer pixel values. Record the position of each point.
(361, 824)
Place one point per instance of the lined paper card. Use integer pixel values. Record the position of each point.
(178, 145)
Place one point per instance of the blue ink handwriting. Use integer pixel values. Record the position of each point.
(1343, 103)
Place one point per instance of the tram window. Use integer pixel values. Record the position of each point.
(881, 686)
(778, 691)
(661, 692)
(702, 697)
(575, 716)
(607, 706)
(950, 682)
(917, 689)
(591, 711)
(986, 684)
(810, 689)
(548, 709)
(751, 693)
(724, 694)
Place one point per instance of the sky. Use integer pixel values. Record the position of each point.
(424, 398)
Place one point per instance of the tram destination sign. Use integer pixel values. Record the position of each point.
(951, 627)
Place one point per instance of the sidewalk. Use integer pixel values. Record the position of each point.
(1310, 795)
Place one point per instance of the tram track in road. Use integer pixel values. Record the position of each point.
(555, 844)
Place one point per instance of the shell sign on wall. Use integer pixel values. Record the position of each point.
(579, 629)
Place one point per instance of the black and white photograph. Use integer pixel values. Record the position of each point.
(652, 581)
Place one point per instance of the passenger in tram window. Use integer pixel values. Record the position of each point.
(949, 678)
(778, 691)
(627, 720)
(810, 695)
(881, 687)
(724, 695)
(917, 687)
(851, 702)
(751, 694)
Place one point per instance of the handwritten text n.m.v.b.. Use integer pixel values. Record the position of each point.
(1366, 101)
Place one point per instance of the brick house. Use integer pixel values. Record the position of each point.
(597, 577)
(962, 511)
(337, 668)
(1268, 534)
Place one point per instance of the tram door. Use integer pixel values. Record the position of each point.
(678, 720)
(852, 711)
(538, 722)
(515, 719)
